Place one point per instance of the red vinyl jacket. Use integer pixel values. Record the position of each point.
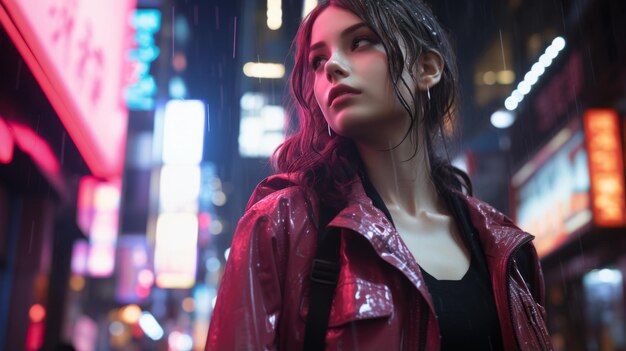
(381, 301)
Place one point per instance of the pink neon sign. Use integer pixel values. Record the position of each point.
(98, 217)
(77, 51)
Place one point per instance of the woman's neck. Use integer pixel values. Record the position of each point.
(402, 181)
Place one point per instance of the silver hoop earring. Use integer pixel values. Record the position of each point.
(329, 133)
(428, 93)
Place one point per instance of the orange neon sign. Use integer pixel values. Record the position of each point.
(606, 167)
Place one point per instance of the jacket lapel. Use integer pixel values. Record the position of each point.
(500, 238)
(498, 235)
(362, 217)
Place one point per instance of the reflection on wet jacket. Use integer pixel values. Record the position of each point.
(381, 301)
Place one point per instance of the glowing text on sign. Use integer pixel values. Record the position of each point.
(605, 167)
(176, 233)
(140, 95)
(75, 50)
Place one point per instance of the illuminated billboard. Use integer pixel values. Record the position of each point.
(606, 167)
(575, 181)
(97, 216)
(551, 192)
(77, 52)
(179, 143)
(262, 126)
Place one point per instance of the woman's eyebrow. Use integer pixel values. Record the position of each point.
(345, 32)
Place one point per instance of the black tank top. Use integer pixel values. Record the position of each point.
(465, 308)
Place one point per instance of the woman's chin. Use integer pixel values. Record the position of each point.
(371, 130)
(360, 131)
(351, 129)
(350, 120)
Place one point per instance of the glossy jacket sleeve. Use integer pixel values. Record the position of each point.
(248, 304)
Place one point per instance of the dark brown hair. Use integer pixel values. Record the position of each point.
(327, 163)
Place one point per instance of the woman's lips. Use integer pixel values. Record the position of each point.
(339, 90)
(342, 98)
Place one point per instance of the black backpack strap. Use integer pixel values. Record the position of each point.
(324, 276)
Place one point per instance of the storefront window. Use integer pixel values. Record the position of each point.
(604, 311)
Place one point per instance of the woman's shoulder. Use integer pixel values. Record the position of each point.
(278, 214)
(483, 211)
(279, 190)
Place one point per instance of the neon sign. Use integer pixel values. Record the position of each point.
(140, 95)
(98, 216)
(606, 167)
(75, 49)
(551, 192)
(176, 232)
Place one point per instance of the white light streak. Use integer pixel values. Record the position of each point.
(523, 87)
(511, 103)
(176, 250)
(183, 132)
(226, 253)
(264, 70)
(274, 14)
(150, 326)
(179, 188)
(538, 69)
(307, 6)
(502, 119)
(532, 77)
(261, 129)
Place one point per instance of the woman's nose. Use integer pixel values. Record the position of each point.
(336, 67)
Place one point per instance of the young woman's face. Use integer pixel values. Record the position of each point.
(352, 83)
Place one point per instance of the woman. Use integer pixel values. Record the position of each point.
(421, 265)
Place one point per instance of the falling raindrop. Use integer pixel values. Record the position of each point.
(217, 18)
(234, 36)
(502, 50)
(208, 124)
(563, 280)
(395, 171)
(173, 30)
(30, 239)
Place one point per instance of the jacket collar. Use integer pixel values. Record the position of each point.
(362, 217)
(498, 235)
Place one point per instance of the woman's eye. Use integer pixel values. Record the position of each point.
(358, 42)
(316, 62)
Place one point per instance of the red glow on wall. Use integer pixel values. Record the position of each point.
(606, 167)
(34, 336)
(6, 143)
(85, 200)
(37, 148)
(142, 291)
(204, 219)
(40, 152)
(37, 313)
(136, 331)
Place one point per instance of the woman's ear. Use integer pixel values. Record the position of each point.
(430, 66)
